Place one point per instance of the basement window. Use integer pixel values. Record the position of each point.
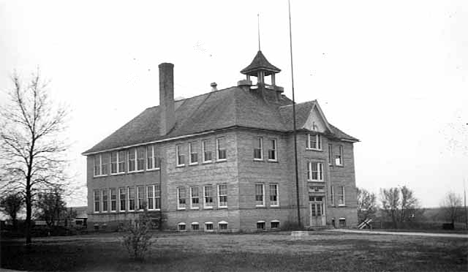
(195, 226)
(209, 226)
(223, 225)
(260, 225)
(342, 222)
(275, 224)
(181, 227)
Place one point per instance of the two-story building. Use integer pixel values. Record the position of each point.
(224, 161)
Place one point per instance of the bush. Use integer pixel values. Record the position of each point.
(137, 237)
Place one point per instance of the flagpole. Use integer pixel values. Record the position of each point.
(294, 120)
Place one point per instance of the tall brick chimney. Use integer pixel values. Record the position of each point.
(166, 98)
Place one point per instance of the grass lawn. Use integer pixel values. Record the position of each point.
(321, 251)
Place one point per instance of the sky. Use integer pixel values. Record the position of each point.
(393, 74)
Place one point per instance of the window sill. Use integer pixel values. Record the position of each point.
(136, 171)
(272, 160)
(207, 162)
(195, 208)
(221, 160)
(180, 165)
(207, 208)
(117, 174)
(260, 206)
(274, 206)
(341, 205)
(193, 163)
(153, 169)
(223, 207)
(181, 209)
(314, 149)
(315, 180)
(100, 176)
(258, 160)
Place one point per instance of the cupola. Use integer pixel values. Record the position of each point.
(261, 68)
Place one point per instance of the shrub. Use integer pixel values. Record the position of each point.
(137, 237)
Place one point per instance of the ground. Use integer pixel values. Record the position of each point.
(320, 251)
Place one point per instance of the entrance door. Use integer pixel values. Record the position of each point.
(317, 214)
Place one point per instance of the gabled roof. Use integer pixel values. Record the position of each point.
(260, 63)
(227, 108)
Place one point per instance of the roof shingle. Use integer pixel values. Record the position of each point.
(215, 110)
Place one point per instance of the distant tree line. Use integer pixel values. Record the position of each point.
(399, 207)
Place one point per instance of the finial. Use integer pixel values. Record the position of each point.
(258, 25)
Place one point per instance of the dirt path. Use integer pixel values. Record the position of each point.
(453, 235)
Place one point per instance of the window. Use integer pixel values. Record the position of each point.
(274, 195)
(123, 199)
(194, 198)
(272, 150)
(97, 165)
(113, 195)
(131, 160)
(131, 198)
(332, 195)
(105, 201)
(114, 162)
(258, 148)
(274, 224)
(342, 222)
(153, 197)
(195, 226)
(209, 226)
(315, 171)
(180, 156)
(259, 195)
(341, 196)
(314, 142)
(152, 162)
(157, 197)
(141, 158)
(208, 197)
(181, 227)
(207, 154)
(105, 164)
(181, 198)
(339, 157)
(223, 225)
(97, 201)
(221, 149)
(121, 158)
(330, 154)
(260, 225)
(222, 196)
(141, 197)
(193, 151)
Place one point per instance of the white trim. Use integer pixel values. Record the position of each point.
(274, 221)
(217, 149)
(318, 140)
(275, 149)
(223, 223)
(209, 223)
(178, 198)
(128, 160)
(257, 140)
(190, 154)
(320, 173)
(181, 224)
(219, 196)
(277, 194)
(110, 200)
(191, 197)
(147, 143)
(178, 153)
(204, 149)
(204, 197)
(128, 199)
(263, 195)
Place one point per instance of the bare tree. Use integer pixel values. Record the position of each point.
(366, 204)
(452, 206)
(390, 199)
(30, 147)
(400, 205)
(12, 204)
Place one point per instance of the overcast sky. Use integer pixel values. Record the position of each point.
(394, 74)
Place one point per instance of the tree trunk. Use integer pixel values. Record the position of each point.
(28, 213)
